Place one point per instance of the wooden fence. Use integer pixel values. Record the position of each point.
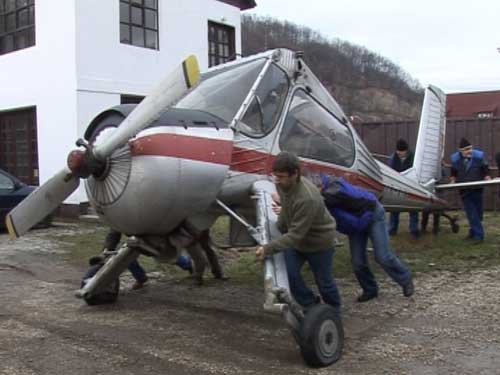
(381, 137)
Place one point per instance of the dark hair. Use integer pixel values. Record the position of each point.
(401, 145)
(287, 162)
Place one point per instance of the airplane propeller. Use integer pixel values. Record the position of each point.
(92, 161)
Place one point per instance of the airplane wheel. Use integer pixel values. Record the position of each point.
(455, 228)
(107, 296)
(322, 336)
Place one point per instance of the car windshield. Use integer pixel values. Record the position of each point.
(222, 93)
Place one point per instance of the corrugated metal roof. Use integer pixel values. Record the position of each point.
(469, 104)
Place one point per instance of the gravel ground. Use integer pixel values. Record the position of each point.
(451, 325)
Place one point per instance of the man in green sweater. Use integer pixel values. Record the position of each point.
(308, 233)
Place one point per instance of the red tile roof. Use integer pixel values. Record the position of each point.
(469, 104)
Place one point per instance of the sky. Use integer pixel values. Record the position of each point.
(452, 44)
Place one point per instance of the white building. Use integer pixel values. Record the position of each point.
(64, 61)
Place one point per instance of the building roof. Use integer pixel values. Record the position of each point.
(470, 104)
(242, 4)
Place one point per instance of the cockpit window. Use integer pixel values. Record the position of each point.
(222, 93)
(311, 131)
(265, 108)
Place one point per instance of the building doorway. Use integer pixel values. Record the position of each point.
(18, 144)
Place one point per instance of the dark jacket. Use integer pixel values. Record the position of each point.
(474, 170)
(401, 165)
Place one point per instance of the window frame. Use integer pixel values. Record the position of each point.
(29, 29)
(231, 43)
(254, 95)
(143, 6)
(325, 108)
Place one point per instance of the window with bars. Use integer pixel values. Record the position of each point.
(17, 25)
(139, 23)
(18, 144)
(220, 43)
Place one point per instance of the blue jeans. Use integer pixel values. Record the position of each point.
(473, 205)
(394, 223)
(137, 271)
(321, 264)
(384, 256)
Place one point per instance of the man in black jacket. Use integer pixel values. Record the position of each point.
(400, 161)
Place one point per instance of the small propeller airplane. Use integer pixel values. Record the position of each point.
(200, 146)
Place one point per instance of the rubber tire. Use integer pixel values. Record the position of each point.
(320, 322)
(110, 295)
(455, 228)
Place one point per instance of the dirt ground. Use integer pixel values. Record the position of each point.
(451, 325)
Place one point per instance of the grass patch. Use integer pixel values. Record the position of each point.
(446, 251)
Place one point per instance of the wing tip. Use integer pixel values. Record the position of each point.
(11, 228)
(191, 70)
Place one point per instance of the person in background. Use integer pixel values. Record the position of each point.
(401, 160)
(467, 165)
(308, 234)
(111, 243)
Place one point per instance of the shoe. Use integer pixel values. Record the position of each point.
(392, 233)
(415, 235)
(409, 289)
(367, 296)
(139, 284)
(476, 241)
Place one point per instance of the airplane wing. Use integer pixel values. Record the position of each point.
(464, 185)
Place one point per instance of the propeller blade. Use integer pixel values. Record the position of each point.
(171, 89)
(41, 203)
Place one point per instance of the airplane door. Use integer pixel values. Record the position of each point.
(257, 127)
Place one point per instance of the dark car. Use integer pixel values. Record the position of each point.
(13, 191)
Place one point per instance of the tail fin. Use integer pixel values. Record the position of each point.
(429, 150)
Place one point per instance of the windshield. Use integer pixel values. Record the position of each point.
(223, 93)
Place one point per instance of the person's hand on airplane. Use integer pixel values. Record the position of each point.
(260, 253)
(276, 208)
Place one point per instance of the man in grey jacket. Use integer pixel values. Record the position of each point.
(308, 233)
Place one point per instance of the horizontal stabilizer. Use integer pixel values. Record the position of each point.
(464, 185)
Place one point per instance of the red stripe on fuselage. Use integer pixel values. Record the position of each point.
(209, 150)
(220, 151)
(253, 161)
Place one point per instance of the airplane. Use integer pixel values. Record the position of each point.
(202, 145)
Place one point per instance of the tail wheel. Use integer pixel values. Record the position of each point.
(321, 336)
(109, 295)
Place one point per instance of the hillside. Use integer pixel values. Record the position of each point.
(364, 83)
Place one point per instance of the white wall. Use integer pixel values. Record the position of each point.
(45, 76)
(78, 66)
(106, 65)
